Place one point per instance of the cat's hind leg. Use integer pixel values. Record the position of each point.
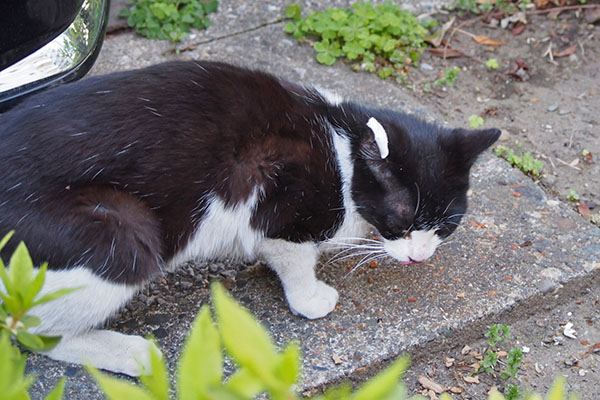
(295, 263)
(108, 244)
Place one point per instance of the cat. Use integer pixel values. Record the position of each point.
(115, 178)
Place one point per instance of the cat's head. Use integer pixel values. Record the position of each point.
(411, 179)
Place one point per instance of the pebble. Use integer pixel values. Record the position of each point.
(553, 107)
(426, 67)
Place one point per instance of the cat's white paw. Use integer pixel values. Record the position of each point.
(111, 351)
(313, 305)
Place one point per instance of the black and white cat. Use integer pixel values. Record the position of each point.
(114, 178)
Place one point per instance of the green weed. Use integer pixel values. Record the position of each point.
(475, 121)
(384, 39)
(522, 160)
(168, 19)
(448, 77)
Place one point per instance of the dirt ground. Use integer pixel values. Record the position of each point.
(551, 110)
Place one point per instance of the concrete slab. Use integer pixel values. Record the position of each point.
(515, 248)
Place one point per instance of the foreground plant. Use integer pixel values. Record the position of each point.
(19, 290)
(522, 160)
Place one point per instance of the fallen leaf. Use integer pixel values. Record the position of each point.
(526, 243)
(431, 385)
(518, 29)
(492, 293)
(465, 350)
(502, 354)
(456, 390)
(471, 379)
(337, 360)
(541, 3)
(438, 36)
(373, 264)
(584, 342)
(482, 39)
(449, 362)
(569, 331)
(445, 52)
(584, 210)
(516, 194)
(460, 295)
(411, 299)
(477, 224)
(592, 15)
(566, 52)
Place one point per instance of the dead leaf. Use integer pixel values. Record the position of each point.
(482, 39)
(437, 37)
(471, 379)
(566, 52)
(456, 390)
(337, 360)
(541, 3)
(518, 29)
(584, 210)
(502, 354)
(592, 15)
(445, 52)
(477, 224)
(460, 295)
(431, 385)
(465, 350)
(449, 362)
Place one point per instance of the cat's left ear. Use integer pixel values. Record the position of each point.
(470, 143)
(380, 136)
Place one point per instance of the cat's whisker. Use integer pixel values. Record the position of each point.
(348, 238)
(365, 260)
(448, 206)
(362, 253)
(418, 199)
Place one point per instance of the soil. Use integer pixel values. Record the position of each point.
(551, 112)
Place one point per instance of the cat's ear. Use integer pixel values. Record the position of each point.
(470, 143)
(380, 137)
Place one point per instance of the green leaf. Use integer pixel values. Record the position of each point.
(201, 363)
(124, 13)
(30, 321)
(246, 341)
(35, 287)
(385, 72)
(57, 392)
(293, 11)
(55, 295)
(20, 269)
(37, 342)
(384, 383)
(288, 369)
(5, 239)
(12, 368)
(29, 340)
(325, 58)
(117, 389)
(245, 384)
(475, 121)
(158, 382)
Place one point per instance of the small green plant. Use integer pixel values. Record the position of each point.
(481, 7)
(492, 63)
(19, 290)
(382, 39)
(448, 77)
(522, 160)
(261, 369)
(475, 121)
(168, 19)
(573, 196)
(496, 335)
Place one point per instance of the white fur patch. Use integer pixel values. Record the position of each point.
(332, 98)
(418, 248)
(295, 263)
(381, 138)
(223, 232)
(353, 225)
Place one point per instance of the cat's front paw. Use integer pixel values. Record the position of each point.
(313, 305)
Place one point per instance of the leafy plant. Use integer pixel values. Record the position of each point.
(496, 333)
(573, 196)
(492, 63)
(524, 161)
(19, 293)
(448, 77)
(383, 39)
(261, 369)
(168, 19)
(475, 121)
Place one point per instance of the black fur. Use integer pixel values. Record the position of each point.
(114, 172)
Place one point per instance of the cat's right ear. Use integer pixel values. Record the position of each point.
(470, 143)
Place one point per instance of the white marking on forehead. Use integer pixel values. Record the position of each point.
(420, 246)
(380, 137)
